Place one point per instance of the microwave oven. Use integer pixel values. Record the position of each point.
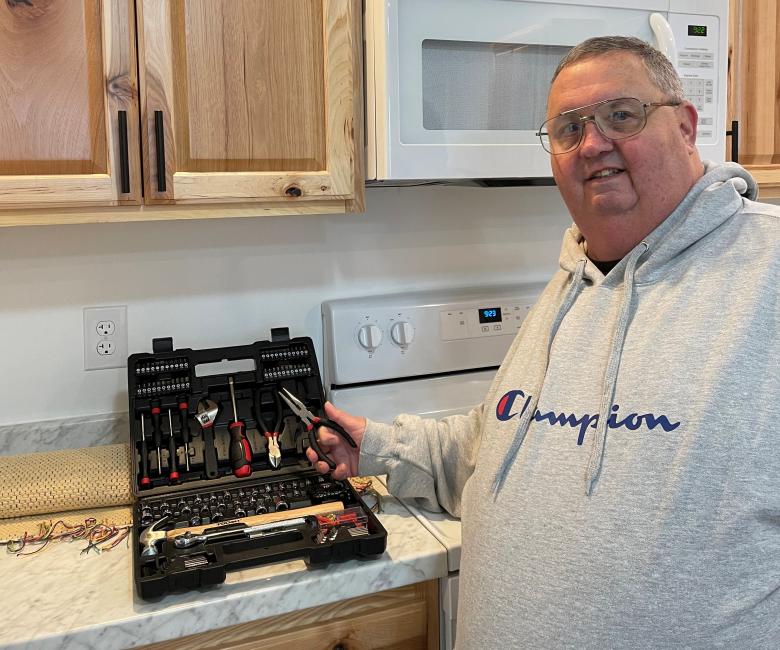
(456, 89)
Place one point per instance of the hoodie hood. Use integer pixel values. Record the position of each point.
(710, 203)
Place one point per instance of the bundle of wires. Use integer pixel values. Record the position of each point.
(364, 487)
(98, 535)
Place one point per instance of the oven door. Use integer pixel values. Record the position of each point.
(458, 88)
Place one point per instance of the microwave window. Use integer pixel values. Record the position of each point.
(486, 86)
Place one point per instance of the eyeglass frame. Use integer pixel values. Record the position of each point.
(584, 119)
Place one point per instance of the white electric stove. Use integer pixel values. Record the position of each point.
(430, 353)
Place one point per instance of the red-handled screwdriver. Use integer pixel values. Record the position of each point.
(173, 471)
(240, 451)
(185, 431)
(157, 433)
(145, 480)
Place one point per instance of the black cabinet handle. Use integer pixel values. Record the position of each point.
(159, 137)
(734, 133)
(124, 161)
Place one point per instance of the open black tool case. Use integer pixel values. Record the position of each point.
(232, 509)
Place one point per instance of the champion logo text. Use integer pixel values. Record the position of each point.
(516, 403)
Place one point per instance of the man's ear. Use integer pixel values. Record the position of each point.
(689, 118)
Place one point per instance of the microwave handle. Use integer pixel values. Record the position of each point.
(664, 37)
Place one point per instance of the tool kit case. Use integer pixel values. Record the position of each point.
(219, 490)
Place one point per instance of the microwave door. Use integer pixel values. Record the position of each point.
(464, 97)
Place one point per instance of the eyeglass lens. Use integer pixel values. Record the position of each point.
(616, 119)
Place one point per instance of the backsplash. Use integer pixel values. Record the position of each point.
(65, 433)
(214, 283)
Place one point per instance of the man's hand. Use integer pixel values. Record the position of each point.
(335, 447)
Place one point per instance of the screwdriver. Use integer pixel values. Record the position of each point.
(145, 481)
(173, 471)
(240, 451)
(157, 433)
(185, 431)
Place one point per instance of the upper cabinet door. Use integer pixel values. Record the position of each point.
(754, 88)
(245, 100)
(69, 124)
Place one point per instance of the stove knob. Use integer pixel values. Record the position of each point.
(402, 334)
(369, 337)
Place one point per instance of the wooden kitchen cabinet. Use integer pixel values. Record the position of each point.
(238, 108)
(754, 88)
(68, 104)
(249, 100)
(400, 619)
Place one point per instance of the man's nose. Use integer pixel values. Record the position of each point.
(594, 141)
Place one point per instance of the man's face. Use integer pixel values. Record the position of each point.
(654, 168)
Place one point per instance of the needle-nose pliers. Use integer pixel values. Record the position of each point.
(313, 423)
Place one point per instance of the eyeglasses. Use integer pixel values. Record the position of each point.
(614, 118)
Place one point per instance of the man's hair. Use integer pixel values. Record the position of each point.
(659, 69)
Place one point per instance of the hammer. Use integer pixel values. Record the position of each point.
(150, 536)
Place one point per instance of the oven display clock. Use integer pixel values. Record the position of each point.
(490, 315)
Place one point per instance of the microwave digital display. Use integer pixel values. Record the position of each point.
(697, 30)
(490, 314)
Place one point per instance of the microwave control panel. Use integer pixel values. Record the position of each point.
(697, 39)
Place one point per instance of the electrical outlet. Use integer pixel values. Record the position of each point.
(104, 348)
(106, 328)
(105, 337)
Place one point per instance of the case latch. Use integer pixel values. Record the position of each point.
(162, 345)
(280, 334)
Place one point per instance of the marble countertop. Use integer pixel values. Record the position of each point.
(64, 600)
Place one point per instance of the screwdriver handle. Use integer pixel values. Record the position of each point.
(156, 430)
(240, 451)
(173, 472)
(157, 433)
(184, 423)
(145, 480)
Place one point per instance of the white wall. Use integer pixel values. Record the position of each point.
(227, 282)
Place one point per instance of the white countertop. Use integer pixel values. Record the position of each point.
(64, 600)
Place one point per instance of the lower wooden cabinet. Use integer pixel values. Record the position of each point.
(400, 619)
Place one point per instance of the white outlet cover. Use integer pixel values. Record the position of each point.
(94, 360)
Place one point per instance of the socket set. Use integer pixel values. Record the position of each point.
(220, 470)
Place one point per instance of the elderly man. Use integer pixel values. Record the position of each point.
(620, 485)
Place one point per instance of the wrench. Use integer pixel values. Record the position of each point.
(252, 532)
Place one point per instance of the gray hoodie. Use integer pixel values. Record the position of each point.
(619, 487)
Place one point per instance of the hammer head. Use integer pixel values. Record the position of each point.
(150, 536)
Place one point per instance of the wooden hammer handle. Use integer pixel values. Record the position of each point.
(268, 518)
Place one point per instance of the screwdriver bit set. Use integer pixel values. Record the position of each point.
(219, 439)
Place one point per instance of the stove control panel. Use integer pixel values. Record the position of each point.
(416, 334)
(473, 322)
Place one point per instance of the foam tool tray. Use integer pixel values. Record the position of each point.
(213, 495)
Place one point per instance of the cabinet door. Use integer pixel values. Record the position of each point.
(246, 100)
(754, 84)
(69, 123)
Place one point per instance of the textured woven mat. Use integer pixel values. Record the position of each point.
(61, 481)
(16, 527)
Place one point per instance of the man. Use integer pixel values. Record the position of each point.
(620, 485)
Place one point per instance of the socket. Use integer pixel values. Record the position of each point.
(106, 328)
(105, 348)
(105, 337)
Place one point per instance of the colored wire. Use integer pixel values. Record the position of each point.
(99, 536)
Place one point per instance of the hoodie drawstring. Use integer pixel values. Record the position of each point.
(522, 427)
(610, 375)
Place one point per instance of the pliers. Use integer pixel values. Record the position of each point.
(313, 423)
(274, 451)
